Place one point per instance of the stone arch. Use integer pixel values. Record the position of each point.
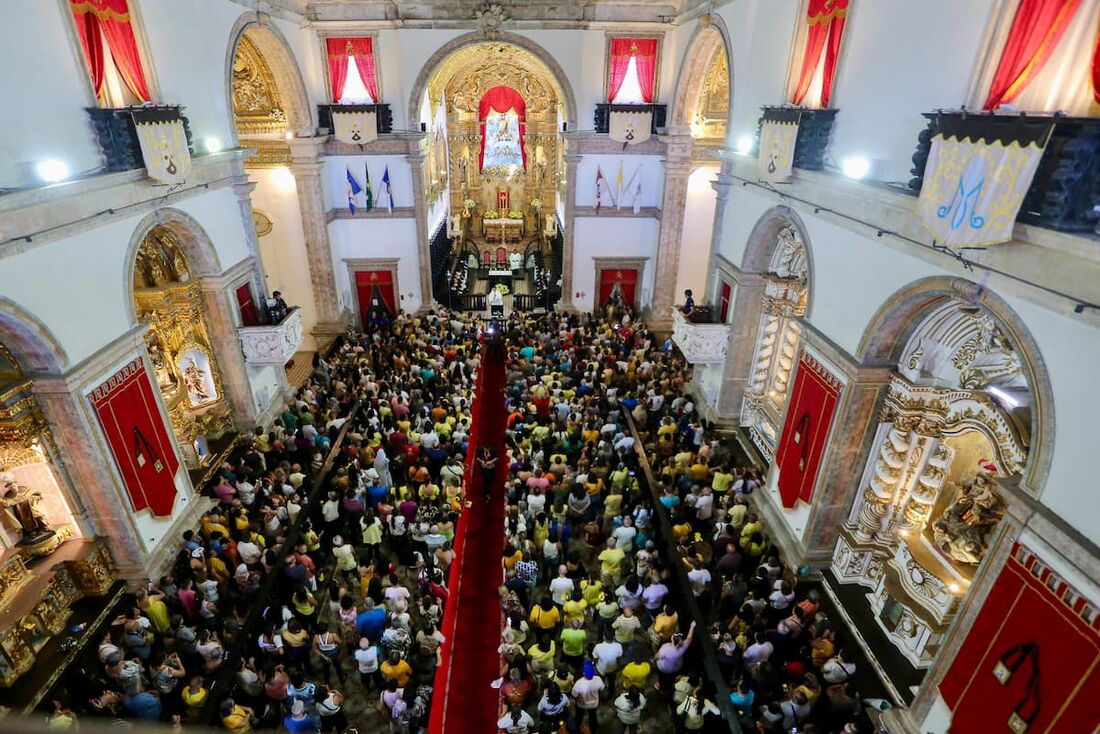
(198, 248)
(30, 342)
(762, 241)
(280, 59)
(903, 313)
(468, 39)
(704, 42)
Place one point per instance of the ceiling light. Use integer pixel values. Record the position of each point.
(744, 144)
(1004, 397)
(213, 145)
(855, 167)
(954, 588)
(51, 171)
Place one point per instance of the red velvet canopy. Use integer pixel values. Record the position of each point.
(112, 18)
(339, 51)
(502, 99)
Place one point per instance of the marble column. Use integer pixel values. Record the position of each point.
(227, 347)
(417, 161)
(721, 184)
(677, 170)
(748, 299)
(307, 165)
(569, 235)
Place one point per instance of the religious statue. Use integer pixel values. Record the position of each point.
(165, 378)
(515, 260)
(194, 377)
(963, 530)
(22, 506)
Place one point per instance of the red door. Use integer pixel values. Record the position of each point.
(625, 280)
(375, 288)
(725, 295)
(247, 306)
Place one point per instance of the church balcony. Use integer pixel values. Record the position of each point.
(382, 112)
(815, 127)
(117, 136)
(1065, 193)
(700, 343)
(603, 114)
(272, 344)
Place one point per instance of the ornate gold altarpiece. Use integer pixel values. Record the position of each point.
(257, 108)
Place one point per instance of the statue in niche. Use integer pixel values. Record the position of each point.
(196, 378)
(463, 168)
(179, 266)
(963, 530)
(994, 363)
(156, 269)
(23, 506)
(165, 378)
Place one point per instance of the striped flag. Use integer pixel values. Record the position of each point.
(353, 190)
(387, 189)
(368, 195)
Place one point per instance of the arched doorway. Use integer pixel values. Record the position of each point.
(168, 299)
(495, 156)
(783, 304)
(37, 507)
(704, 89)
(959, 424)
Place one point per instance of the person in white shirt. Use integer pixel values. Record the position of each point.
(699, 577)
(624, 534)
(586, 694)
(516, 721)
(561, 588)
(607, 654)
(366, 657)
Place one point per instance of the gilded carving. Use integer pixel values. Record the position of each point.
(257, 107)
(713, 107)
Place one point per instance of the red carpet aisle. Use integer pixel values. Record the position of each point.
(464, 702)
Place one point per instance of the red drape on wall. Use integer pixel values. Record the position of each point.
(126, 408)
(644, 53)
(628, 283)
(1096, 69)
(825, 19)
(1036, 30)
(247, 306)
(813, 400)
(372, 285)
(339, 51)
(502, 99)
(724, 298)
(1028, 605)
(113, 18)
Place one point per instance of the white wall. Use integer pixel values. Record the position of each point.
(612, 237)
(283, 254)
(696, 238)
(378, 238)
(652, 173)
(335, 178)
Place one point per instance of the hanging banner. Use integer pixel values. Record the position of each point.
(355, 127)
(629, 127)
(163, 143)
(141, 445)
(812, 402)
(1031, 661)
(978, 171)
(778, 137)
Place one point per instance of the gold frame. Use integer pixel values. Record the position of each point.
(322, 39)
(609, 35)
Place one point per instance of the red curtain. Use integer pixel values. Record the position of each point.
(1096, 69)
(246, 306)
(339, 51)
(126, 408)
(812, 402)
(724, 302)
(644, 53)
(374, 285)
(1028, 606)
(502, 99)
(825, 19)
(1036, 30)
(112, 17)
(628, 283)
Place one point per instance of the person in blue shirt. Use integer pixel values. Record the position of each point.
(298, 722)
(371, 622)
(144, 705)
(689, 303)
(376, 493)
(528, 352)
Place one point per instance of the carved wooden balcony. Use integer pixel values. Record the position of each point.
(117, 137)
(1065, 192)
(700, 343)
(272, 344)
(814, 131)
(382, 112)
(604, 110)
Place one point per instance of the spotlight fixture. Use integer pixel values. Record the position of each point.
(212, 144)
(52, 170)
(855, 167)
(744, 144)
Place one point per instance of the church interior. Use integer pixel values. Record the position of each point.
(847, 252)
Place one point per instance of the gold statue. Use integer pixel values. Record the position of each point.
(194, 378)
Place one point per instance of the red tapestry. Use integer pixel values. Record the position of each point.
(374, 287)
(621, 281)
(143, 450)
(802, 443)
(1033, 655)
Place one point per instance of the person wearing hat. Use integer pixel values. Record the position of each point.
(586, 696)
(346, 563)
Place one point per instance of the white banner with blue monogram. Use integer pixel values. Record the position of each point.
(976, 179)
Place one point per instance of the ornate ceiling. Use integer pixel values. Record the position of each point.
(469, 72)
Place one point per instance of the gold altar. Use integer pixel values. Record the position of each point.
(501, 229)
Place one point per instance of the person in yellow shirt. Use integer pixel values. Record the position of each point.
(721, 481)
(636, 674)
(665, 625)
(540, 656)
(545, 615)
(236, 718)
(194, 697)
(592, 590)
(396, 669)
(611, 564)
(575, 608)
(512, 556)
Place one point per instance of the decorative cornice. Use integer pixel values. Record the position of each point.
(646, 212)
(399, 212)
(390, 144)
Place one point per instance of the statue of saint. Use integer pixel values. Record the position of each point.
(22, 506)
(194, 377)
(963, 531)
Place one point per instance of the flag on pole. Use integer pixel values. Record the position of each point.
(387, 189)
(353, 190)
(638, 190)
(599, 188)
(368, 195)
(620, 187)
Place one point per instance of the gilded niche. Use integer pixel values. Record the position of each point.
(257, 107)
(712, 111)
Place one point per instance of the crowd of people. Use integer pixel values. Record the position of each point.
(311, 596)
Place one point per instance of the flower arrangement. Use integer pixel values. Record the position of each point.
(515, 214)
(492, 214)
(536, 204)
(468, 207)
(502, 289)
